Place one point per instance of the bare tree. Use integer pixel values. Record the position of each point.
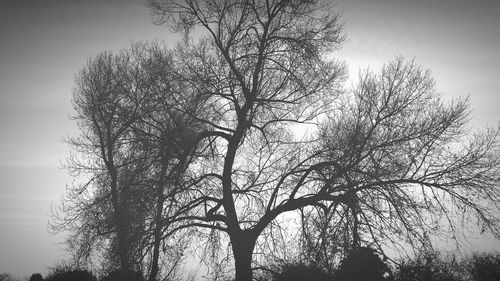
(134, 150)
(387, 151)
(264, 69)
(206, 137)
(409, 160)
(105, 121)
(168, 135)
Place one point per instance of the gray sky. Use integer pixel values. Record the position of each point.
(45, 42)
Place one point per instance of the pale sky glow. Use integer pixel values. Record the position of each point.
(43, 43)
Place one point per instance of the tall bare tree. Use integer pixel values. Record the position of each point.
(105, 123)
(207, 137)
(389, 148)
(134, 150)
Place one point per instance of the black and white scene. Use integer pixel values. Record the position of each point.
(249, 140)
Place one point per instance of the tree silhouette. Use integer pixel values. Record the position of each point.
(406, 160)
(135, 151)
(209, 140)
(363, 264)
(391, 144)
(36, 277)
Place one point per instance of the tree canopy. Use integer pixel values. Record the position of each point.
(250, 120)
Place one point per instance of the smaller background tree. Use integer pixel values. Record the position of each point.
(363, 264)
(36, 277)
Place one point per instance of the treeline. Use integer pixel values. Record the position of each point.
(362, 265)
(368, 266)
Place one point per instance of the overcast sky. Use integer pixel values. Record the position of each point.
(43, 43)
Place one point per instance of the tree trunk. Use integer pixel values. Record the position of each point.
(157, 240)
(123, 247)
(243, 246)
(156, 255)
(119, 219)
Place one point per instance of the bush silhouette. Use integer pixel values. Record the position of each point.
(484, 267)
(36, 277)
(4, 276)
(429, 267)
(363, 264)
(293, 271)
(71, 275)
(124, 275)
(299, 271)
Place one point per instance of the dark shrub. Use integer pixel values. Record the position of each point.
(71, 275)
(297, 271)
(429, 267)
(7, 277)
(484, 267)
(36, 277)
(363, 264)
(124, 275)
